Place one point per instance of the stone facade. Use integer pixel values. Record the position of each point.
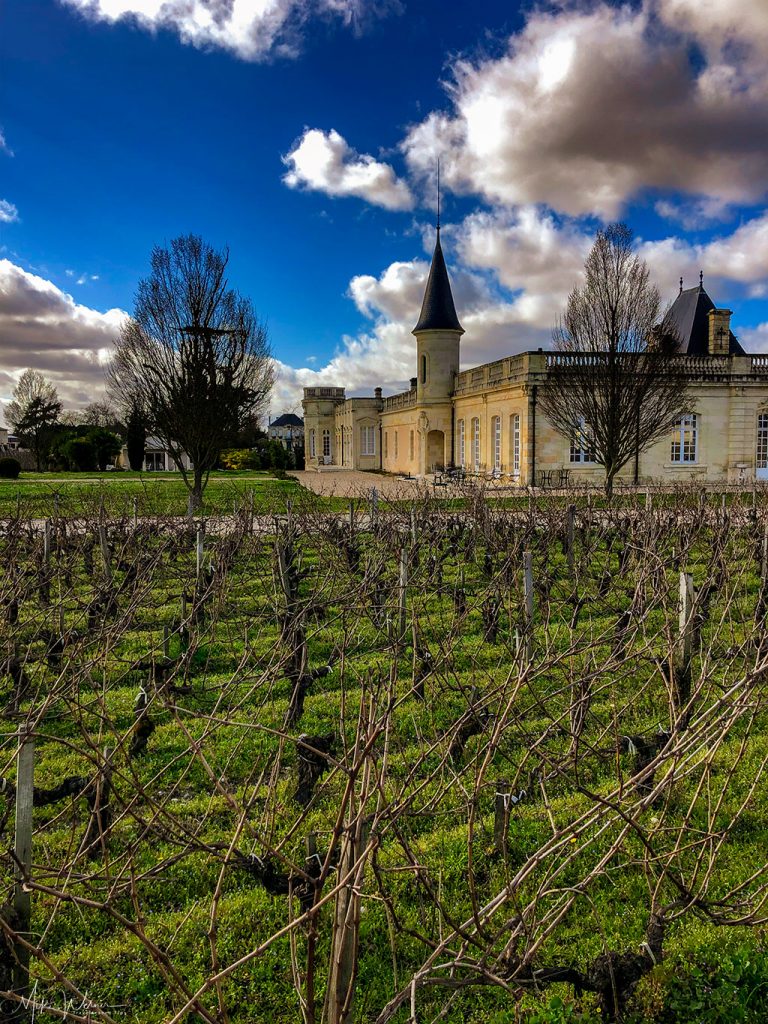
(488, 419)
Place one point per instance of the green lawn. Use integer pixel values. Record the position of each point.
(36, 495)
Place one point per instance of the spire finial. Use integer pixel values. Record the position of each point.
(438, 195)
(701, 280)
(681, 286)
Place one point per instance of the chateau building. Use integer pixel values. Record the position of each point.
(488, 419)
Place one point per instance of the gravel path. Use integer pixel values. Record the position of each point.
(349, 483)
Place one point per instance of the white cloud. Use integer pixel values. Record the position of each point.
(324, 162)
(718, 23)
(250, 29)
(739, 258)
(4, 147)
(755, 339)
(589, 107)
(44, 328)
(8, 212)
(530, 253)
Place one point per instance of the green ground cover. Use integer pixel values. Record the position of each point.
(38, 495)
(587, 853)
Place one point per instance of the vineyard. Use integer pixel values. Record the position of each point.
(462, 760)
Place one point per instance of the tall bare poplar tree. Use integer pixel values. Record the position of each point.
(615, 384)
(194, 357)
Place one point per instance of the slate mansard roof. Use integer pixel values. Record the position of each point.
(438, 312)
(689, 314)
(288, 419)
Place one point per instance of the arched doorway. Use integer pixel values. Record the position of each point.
(435, 450)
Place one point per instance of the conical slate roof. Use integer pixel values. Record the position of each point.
(690, 315)
(438, 312)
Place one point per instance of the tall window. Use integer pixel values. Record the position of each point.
(423, 369)
(496, 427)
(312, 450)
(386, 444)
(326, 444)
(462, 450)
(582, 443)
(762, 440)
(410, 447)
(684, 439)
(515, 442)
(476, 444)
(367, 440)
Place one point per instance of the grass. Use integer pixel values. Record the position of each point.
(39, 495)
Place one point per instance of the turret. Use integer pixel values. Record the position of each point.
(437, 334)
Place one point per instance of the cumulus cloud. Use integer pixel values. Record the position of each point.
(719, 23)
(589, 107)
(250, 30)
(8, 212)
(738, 258)
(324, 162)
(44, 328)
(755, 339)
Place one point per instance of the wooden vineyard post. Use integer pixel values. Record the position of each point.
(199, 551)
(501, 818)
(569, 537)
(45, 573)
(346, 927)
(25, 787)
(135, 511)
(528, 603)
(374, 514)
(47, 543)
(105, 556)
(764, 563)
(681, 684)
(402, 602)
(166, 644)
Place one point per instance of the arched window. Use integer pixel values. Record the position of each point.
(514, 440)
(476, 444)
(326, 444)
(423, 369)
(462, 449)
(496, 429)
(685, 439)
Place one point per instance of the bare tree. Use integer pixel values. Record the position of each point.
(614, 386)
(33, 411)
(194, 356)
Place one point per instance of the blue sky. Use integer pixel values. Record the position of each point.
(305, 140)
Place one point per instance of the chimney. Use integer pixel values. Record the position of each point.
(377, 393)
(719, 332)
(413, 383)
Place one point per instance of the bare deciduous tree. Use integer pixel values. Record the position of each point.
(614, 386)
(194, 356)
(33, 411)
